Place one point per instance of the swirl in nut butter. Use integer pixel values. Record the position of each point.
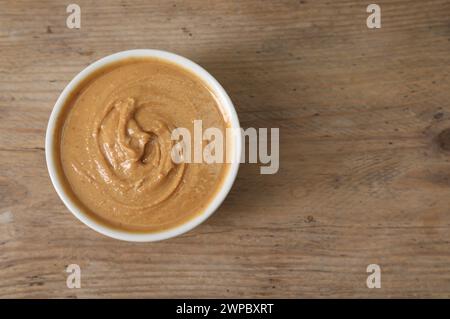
(115, 145)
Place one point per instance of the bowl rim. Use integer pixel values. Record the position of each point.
(225, 103)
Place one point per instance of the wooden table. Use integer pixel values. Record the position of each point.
(364, 177)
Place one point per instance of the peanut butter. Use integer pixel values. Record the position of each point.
(115, 145)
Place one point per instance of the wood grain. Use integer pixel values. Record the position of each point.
(364, 176)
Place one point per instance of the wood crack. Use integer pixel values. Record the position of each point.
(23, 149)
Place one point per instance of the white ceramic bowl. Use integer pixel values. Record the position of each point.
(224, 102)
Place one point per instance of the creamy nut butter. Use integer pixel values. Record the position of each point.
(114, 145)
